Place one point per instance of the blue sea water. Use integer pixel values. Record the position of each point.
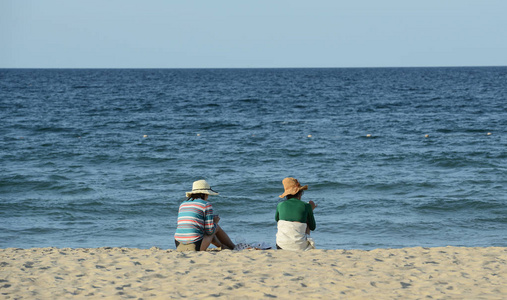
(103, 157)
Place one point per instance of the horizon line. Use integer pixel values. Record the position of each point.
(225, 68)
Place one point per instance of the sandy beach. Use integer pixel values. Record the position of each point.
(126, 273)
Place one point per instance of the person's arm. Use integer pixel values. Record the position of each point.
(209, 224)
(310, 218)
(277, 215)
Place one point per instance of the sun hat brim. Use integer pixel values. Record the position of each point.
(202, 191)
(294, 191)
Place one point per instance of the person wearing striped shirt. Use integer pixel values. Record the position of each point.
(197, 225)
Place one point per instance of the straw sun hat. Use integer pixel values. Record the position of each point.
(201, 187)
(292, 187)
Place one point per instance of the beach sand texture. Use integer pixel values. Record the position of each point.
(126, 273)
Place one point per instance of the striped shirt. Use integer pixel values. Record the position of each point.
(195, 219)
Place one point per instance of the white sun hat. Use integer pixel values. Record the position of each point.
(201, 187)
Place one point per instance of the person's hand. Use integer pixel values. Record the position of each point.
(216, 218)
(312, 204)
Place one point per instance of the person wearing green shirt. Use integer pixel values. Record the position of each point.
(294, 218)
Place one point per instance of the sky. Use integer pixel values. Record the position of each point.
(252, 34)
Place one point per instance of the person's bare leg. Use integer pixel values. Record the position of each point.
(224, 239)
(206, 241)
(216, 242)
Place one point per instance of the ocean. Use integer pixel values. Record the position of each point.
(393, 157)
